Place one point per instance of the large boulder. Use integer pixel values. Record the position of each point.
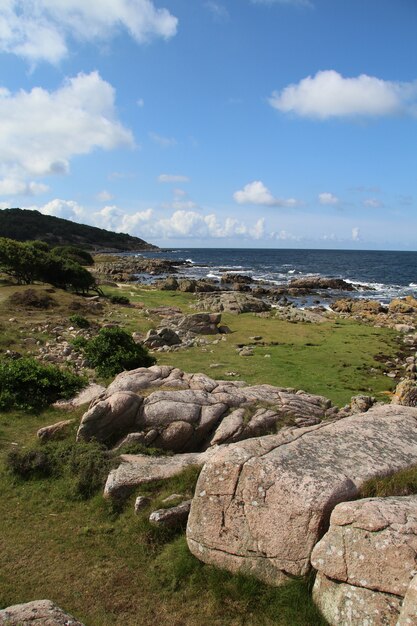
(408, 615)
(261, 505)
(110, 418)
(371, 545)
(36, 613)
(233, 302)
(200, 323)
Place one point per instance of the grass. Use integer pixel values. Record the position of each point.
(403, 483)
(110, 567)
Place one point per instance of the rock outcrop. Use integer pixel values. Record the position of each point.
(261, 505)
(232, 302)
(36, 613)
(366, 561)
(189, 412)
(139, 469)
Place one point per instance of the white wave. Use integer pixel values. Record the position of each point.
(413, 285)
(211, 275)
(189, 261)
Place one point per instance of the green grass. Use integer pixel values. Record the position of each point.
(403, 483)
(110, 567)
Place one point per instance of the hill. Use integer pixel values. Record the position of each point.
(26, 225)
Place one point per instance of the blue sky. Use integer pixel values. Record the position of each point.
(220, 123)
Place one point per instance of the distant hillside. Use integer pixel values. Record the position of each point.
(25, 225)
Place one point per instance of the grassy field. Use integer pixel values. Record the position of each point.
(110, 567)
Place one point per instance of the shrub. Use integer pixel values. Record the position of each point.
(27, 385)
(75, 254)
(113, 350)
(119, 300)
(32, 299)
(84, 465)
(32, 463)
(80, 321)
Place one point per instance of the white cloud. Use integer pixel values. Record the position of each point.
(182, 223)
(40, 130)
(256, 193)
(39, 30)
(328, 198)
(356, 236)
(173, 178)
(140, 102)
(16, 187)
(328, 94)
(373, 203)
(67, 209)
(284, 235)
(104, 196)
(164, 142)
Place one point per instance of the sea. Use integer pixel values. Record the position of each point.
(379, 275)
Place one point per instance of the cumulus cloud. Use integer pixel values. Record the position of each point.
(328, 198)
(16, 187)
(356, 235)
(182, 223)
(328, 94)
(173, 178)
(67, 209)
(256, 193)
(41, 130)
(39, 30)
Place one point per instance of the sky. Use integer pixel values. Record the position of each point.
(214, 123)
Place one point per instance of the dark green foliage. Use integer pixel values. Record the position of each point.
(27, 385)
(74, 254)
(113, 350)
(30, 261)
(32, 463)
(79, 320)
(79, 343)
(85, 465)
(30, 298)
(403, 483)
(26, 225)
(119, 300)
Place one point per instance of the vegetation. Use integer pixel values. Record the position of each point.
(79, 321)
(403, 483)
(113, 350)
(27, 385)
(119, 300)
(106, 565)
(74, 254)
(118, 568)
(26, 225)
(32, 261)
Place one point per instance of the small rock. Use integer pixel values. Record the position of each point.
(141, 503)
(175, 516)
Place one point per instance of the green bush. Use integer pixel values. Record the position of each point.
(113, 350)
(27, 385)
(84, 465)
(75, 254)
(119, 300)
(79, 320)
